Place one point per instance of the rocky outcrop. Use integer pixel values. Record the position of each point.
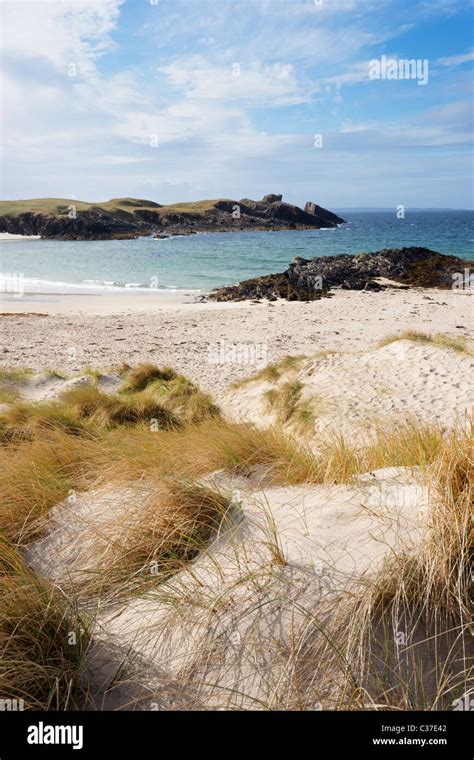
(271, 198)
(126, 218)
(87, 225)
(311, 279)
(321, 213)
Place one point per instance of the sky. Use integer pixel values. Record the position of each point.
(176, 100)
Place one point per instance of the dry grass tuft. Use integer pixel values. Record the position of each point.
(184, 399)
(43, 639)
(399, 640)
(24, 421)
(273, 372)
(32, 480)
(285, 401)
(140, 377)
(442, 340)
(106, 410)
(8, 395)
(37, 474)
(406, 642)
(143, 545)
(14, 375)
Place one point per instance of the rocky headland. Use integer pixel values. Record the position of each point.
(130, 217)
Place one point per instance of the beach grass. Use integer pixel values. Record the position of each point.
(171, 524)
(139, 378)
(109, 410)
(441, 340)
(274, 371)
(401, 640)
(43, 639)
(14, 375)
(285, 402)
(91, 440)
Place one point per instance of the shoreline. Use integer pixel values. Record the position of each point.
(101, 302)
(7, 237)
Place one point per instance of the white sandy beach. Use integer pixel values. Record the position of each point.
(71, 332)
(7, 237)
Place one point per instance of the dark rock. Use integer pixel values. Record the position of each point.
(309, 280)
(271, 198)
(314, 210)
(87, 225)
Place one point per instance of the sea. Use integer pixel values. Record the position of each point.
(199, 263)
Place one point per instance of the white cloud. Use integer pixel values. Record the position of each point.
(357, 72)
(456, 60)
(59, 32)
(236, 81)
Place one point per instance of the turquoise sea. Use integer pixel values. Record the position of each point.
(205, 261)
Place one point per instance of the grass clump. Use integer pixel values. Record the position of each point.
(13, 375)
(409, 444)
(172, 523)
(25, 421)
(185, 399)
(33, 479)
(174, 391)
(273, 372)
(36, 475)
(107, 410)
(43, 640)
(141, 377)
(406, 631)
(442, 340)
(9, 395)
(192, 452)
(286, 402)
(95, 374)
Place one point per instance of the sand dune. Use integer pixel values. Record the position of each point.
(350, 392)
(209, 629)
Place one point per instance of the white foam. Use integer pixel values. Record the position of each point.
(12, 285)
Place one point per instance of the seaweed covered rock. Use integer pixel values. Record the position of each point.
(311, 279)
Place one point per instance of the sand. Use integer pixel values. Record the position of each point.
(213, 344)
(234, 629)
(205, 636)
(6, 237)
(354, 392)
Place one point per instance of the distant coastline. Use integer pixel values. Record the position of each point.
(124, 218)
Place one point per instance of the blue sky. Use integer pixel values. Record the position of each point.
(184, 99)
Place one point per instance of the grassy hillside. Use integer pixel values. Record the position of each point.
(193, 207)
(120, 207)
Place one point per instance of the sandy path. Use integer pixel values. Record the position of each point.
(196, 338)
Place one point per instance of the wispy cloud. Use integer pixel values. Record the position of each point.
(456, 60)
